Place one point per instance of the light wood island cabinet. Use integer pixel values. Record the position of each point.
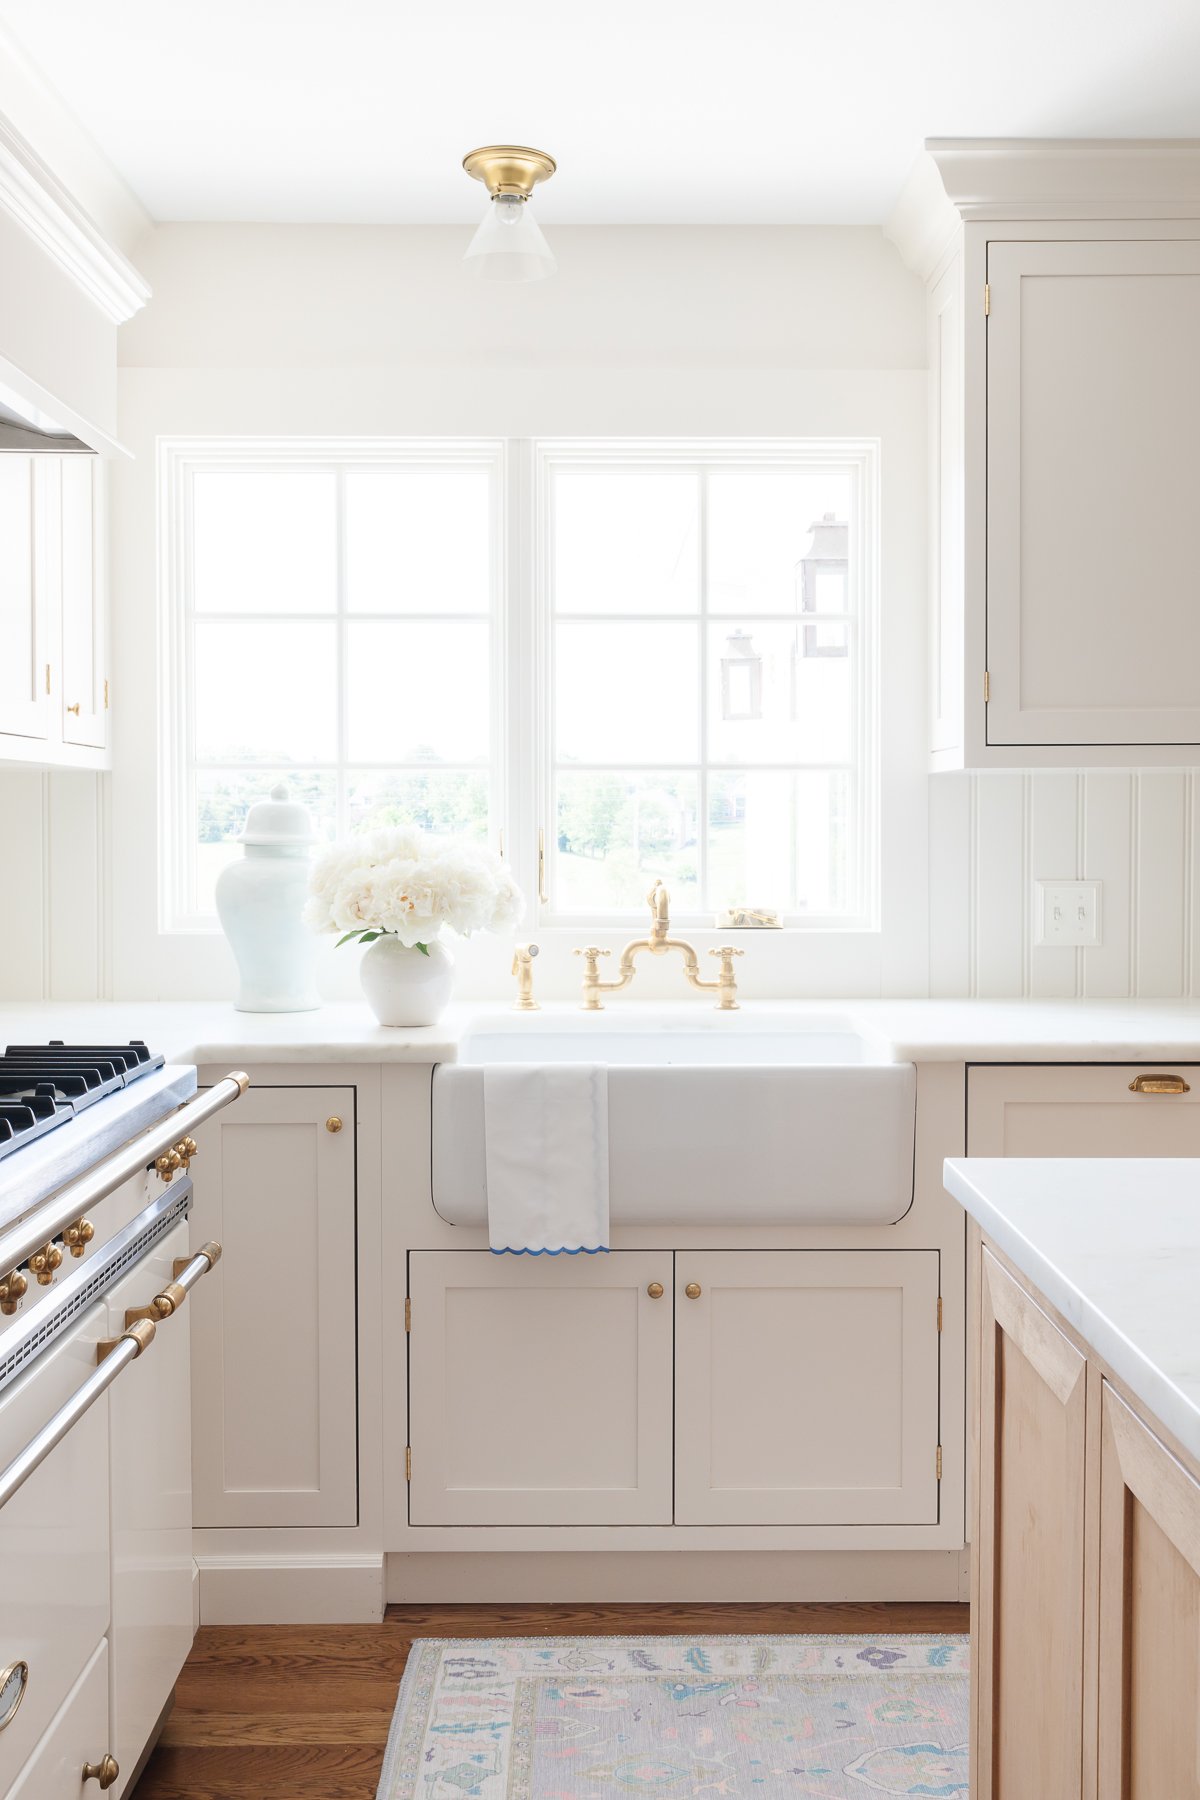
(1086, 1589)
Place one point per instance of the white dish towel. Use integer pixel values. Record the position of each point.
(546, 1136)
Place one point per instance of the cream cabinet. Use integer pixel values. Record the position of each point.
(274, 1371)
(540, 1388)
(806, 1387)
(1085, 1615)
(76, 1740)
(1065, 380)
(150, 1631)
(54, 687)
(645, 1387)
(1133, 1109)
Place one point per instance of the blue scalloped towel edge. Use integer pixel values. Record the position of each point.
(583, 1250)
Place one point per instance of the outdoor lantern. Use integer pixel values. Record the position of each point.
(741, 678)
(823, 575)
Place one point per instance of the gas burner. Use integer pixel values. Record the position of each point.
(45, 1085)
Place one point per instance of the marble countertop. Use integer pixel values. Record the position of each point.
(1114, 1246)
(913, 1030)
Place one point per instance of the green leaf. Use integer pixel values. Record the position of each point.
(345, 940)
(423, 948)
(368, 937)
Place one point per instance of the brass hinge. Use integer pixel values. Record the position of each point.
(939, 1462)
(987, 687)
(408, 1312)
(987, 298)
(408, 1462)
(939, 1312)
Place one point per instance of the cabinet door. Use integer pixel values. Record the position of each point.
(1093, 535)
(83, 603)
(77, 1736)
(1149, 1633)
(274, 1414)
(1083, 1111)
(24, 674)
(1027, 1611)
(151, 1460)
(540, 1389)
(806, 1388)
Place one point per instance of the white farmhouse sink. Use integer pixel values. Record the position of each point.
(784, 1119)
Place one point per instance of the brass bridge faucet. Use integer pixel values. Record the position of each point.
(659, 943)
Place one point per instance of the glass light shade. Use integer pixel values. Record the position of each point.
(509, 245)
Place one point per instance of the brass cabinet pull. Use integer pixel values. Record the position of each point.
(1159, 1084)
(655, 1290)
(333, 1123)
(692, 1290)
(105, 1772)
(140, 1334)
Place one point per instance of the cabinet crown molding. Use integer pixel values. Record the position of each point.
(963, 179)
(33, 195)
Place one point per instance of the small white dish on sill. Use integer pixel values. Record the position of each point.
(406, 986)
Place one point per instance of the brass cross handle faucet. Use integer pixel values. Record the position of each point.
(659, 943)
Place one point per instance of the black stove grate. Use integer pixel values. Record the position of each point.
(44, 1085)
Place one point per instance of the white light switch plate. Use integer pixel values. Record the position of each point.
(1068, 912)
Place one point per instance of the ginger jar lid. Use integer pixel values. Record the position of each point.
(279, 821)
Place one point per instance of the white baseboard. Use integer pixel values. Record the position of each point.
(480, 1578)
(299, 1590)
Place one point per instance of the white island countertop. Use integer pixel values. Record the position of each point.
(207, 1031)
(1114, 1246)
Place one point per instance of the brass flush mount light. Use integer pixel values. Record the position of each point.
(509, 245)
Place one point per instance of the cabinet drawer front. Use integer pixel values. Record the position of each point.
(76, 1736)
(806, 1388)
(1073, 656)
(54, 1541)
(274, 1377)
(1149, 1624)
(1073, 1111)
(1027, 1615)
(540, 1389)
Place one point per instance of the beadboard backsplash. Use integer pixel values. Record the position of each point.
(991, 837)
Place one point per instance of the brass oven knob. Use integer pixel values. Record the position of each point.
(78, 1236)
(44, 1262)
(185, 1149)
(692, 1290)
(655, 1290)
(167, 1163)
(13, 1288)
(105, 1772)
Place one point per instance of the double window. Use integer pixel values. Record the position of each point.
(622, 661)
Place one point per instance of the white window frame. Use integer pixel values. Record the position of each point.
(859, 458)
(521, 761)
(180, 460)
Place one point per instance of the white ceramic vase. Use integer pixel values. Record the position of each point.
(260, 903)
(402, 986)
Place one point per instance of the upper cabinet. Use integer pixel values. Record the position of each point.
(1064, 289)
(54, 685)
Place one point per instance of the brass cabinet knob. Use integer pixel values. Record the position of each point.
(655, 1290)
(74, 709)
(692, 1290)
(44, 1262)
(13, 1288)
(78, 1236)
(333, 1123)
(105, 1772)
(167, 1163)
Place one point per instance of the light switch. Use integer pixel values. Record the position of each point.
(1068, 912)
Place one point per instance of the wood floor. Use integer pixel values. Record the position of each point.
(291, 1712)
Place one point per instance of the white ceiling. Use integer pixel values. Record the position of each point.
(657, 110)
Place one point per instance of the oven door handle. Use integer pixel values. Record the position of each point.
(113, 1355)
(187, 1272)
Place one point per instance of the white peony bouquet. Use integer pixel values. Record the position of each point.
(403, 883)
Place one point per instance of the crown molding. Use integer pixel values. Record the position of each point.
(33, 195)
(1069, 178)
(924, 222)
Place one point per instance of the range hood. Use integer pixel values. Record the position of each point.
(25, 428)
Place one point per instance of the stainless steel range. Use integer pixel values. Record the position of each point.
(95, 1481)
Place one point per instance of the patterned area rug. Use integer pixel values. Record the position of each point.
(758, 1718)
